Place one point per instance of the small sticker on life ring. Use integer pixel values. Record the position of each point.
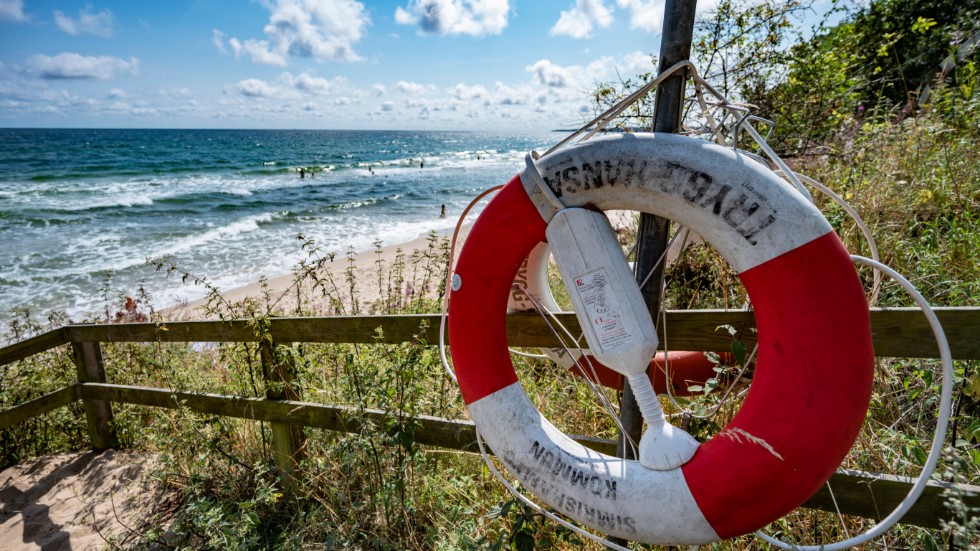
(603, 309)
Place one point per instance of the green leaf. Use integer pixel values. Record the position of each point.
(738, 350)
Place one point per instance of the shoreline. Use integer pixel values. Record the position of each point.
(373, 272)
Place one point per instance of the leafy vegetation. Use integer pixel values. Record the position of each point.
(909, 164)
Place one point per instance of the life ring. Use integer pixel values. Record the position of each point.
(813, 376)
(686, 368)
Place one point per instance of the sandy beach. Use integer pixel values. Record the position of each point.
(372, 271)
(328, 290)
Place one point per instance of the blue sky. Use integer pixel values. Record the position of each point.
(394, 64)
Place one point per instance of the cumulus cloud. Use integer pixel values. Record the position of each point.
(379, 89)
(647, 15)
(255, 88)
(289, 86)
(324, 30)
(413, 88)
(116, 93)
(72, 66)
(547, 73)
(637, 62)
(88, 22)
(578, 21)
(463, 92)
(506, 95)
(12, 10)
(309, 84)
(259, 51)
(574, 79)
(388, 106)
(472, 17)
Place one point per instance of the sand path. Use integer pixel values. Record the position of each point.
(76, 501)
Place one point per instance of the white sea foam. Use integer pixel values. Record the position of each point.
(232, 224)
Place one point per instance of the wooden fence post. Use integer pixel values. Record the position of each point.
(287, 439)
(98, 413)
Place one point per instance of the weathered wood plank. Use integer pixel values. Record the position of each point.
(432, 431)
(98, 413)
(875, 496)
(905, 332)
(287, 438)
(435, 431)
(898, 332)
(184, 331)
(38, 406)
(34, 345)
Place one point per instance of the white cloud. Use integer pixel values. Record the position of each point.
(324, 30)
(116, 93)
(413, 88)
(255, 88)
(307, 83)
(472, 17)
(379, 89)
(549, 74)
(553, 83)
(12, 10)
(506, 95)
(463, 92)
(218, 39)
(72, 66)
(289, 86)
(388, 106)
(99, 24)
(647, 15)
(638, 62)
(578, 21)
(259, 51)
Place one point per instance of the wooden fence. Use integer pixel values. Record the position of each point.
(897, 333)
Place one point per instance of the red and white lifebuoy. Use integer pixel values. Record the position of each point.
(813, 376)
(686, 369)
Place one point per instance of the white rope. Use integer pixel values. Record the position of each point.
(522, 354)
(939, 436)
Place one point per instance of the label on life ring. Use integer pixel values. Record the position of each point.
(603, 309)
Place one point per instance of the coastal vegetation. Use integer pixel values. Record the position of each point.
(865, 105)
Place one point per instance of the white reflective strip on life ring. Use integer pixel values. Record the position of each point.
(717, 189)
(606, 493)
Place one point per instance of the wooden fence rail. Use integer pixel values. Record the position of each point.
(897, 333)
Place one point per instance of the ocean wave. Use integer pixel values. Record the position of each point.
(231, 230)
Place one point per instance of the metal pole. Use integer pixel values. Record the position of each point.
(654, 231)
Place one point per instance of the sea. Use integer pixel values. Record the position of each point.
(84, 213)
